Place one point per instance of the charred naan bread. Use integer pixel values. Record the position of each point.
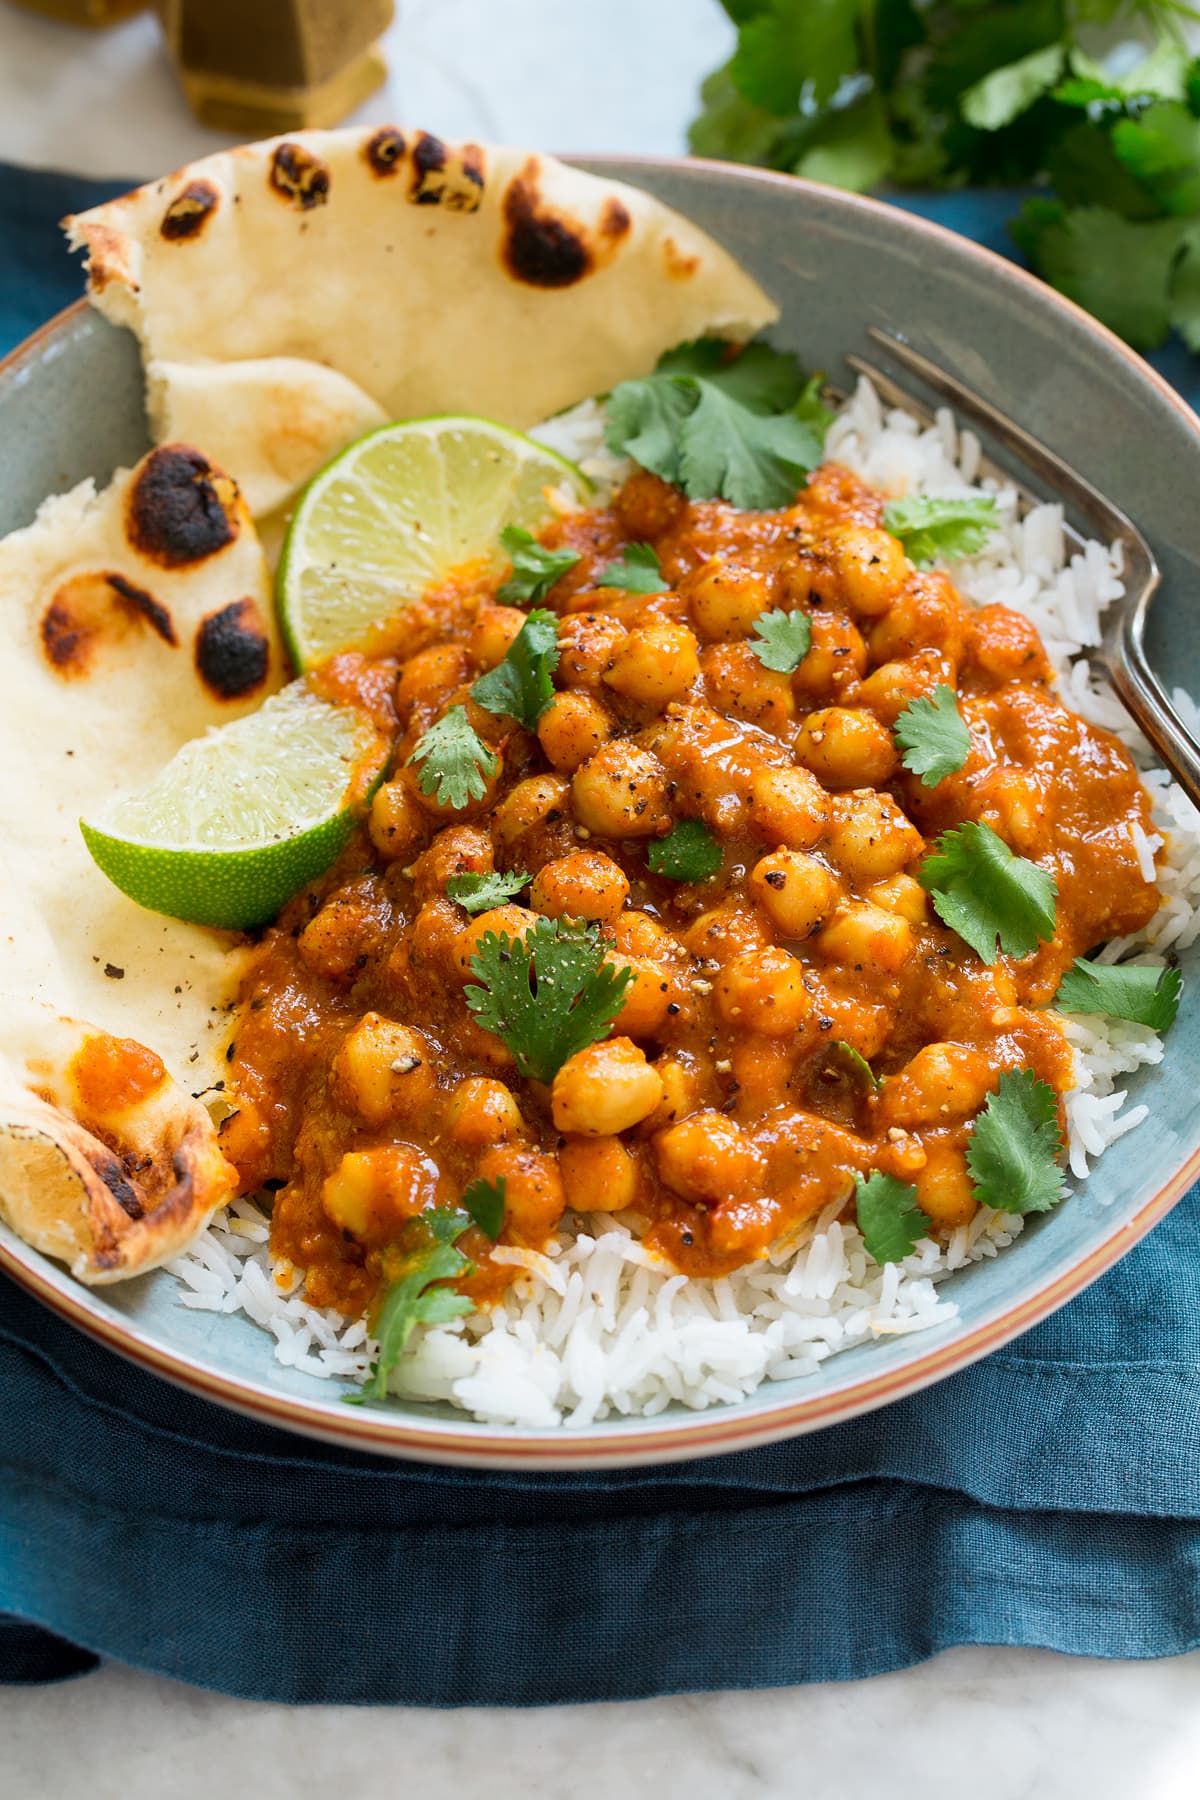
(291, 294)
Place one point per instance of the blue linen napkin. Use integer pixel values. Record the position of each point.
(1048, 1496)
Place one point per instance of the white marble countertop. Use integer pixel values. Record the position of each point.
(995, 1724)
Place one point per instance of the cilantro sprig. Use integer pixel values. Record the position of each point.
(415, 1295)
(455, 763)
(985, 893)
(933, 736)
(747, 429)
(521, 685)
(485, 1202)
(859, 1064)
(933, 530)
(534, 568)
(547, 995)
(1136, 991)
(480, 893)
(891, 1222)
(783, 639)
(637, 570)
(1015, 1145)
(689, 852)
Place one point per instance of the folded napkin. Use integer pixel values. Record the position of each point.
(1050, 1495)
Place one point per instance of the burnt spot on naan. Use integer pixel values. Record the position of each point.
(112, 1174)
(181, 507)
(189, 212)
(299, 177)
(542, 247)
(442, 177)
(384, 150)
(108, 257)
(232, 650)
(680, 263)
(92, 607)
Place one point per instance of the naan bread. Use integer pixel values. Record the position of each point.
(130, 621)
(291, 294)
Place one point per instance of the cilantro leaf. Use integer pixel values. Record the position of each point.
(850, 148)
(456, 764)
(485, 1201)
(751, 458)
(479, 893)
(690, 852)
(643, 419)
(521, 686)
(1015, 1145)
(932, 735)
(1004, 93)
(930, 528)
(986, 894)
(859, 1064)
(787, 51)
(784, 640)
(547, 995)
(412, 1299)
(1147, 995)
(1161, 148)
(1120, 269)
(889, 1218)
(637, 570)
(535, 569)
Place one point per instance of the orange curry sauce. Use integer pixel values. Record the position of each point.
(723, 1110)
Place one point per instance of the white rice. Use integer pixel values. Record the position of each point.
(597, 1325)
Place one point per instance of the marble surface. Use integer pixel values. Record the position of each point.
(996, 1724)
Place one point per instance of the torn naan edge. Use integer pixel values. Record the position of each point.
(130, 621)
(289, 295)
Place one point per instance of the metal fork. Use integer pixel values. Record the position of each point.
(1122, 653)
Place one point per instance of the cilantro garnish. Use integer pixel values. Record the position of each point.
(637, 571)
(746, 430)
(456, 764)
(988, 895)
(485, 1201)
(930, 528)
(1015, 1145)
(413, 1299)
(783, 640)
(889, 1218)
(479, 893)
(1147, 995)
(689, 852)
(859, 1064)
(521, 684)
(535, 569)
(933, 736)
(547, 995)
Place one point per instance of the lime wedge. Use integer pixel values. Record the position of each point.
(396, 511)
(241, 818)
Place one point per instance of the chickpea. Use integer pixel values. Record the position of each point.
(901, 894)
(589, 644)
(459, 850)
(492, 634)
(646, 999)
(428, 679)
(895, 685)
(512, 922)
(539, 800)
(684, 1086)
(639, 935)
(872, 566)
(481, 1112)
(739, 685)
(474, 1042)
(941, 1082)
(397, 821)
(605, 1089)
(794, 890)
(371, 1193)
(647, 506)
(788, 807)
(382, 1070)
(584, 885)
(944, 1190)
(572, 728)
(1011, 808)
(351, 924)
(725, 932)
(865, 937)
(836, 656)
(658, 663)
(763, 991)
(432, 941)
(725, 599)
(928, 615)
(621, 792)
(846, 748)
(599, 1174)
(1006, 646)
(533, 1191)
(708, 1157)
(870, 838)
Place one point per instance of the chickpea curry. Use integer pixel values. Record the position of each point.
(712, 799)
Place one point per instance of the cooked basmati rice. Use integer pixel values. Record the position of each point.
(597, 1325)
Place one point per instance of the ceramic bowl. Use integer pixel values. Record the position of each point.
(70, 406)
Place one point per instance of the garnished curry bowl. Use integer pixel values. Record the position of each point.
(836, 265)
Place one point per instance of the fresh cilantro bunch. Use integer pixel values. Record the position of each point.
(938, 93)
